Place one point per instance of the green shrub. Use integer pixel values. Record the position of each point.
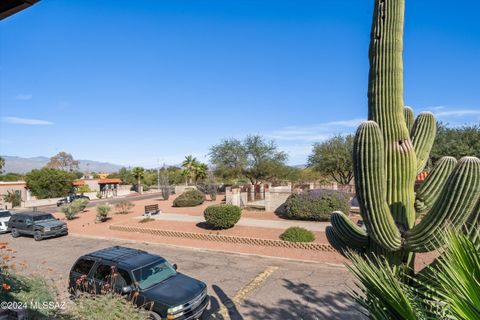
(99, 195)
(80, 204)
(70, 211)
(102, 212)
(315, 205)
(297, 234)
(189, 198)
(35, 290)
(105, 307)
(123, 207)
(222, 216)
(84, 188)
(31, 290)
(13, 198)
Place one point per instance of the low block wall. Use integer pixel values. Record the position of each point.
(274, 200)
(41, 202)
(229, 239)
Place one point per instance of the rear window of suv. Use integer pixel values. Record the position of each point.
(83, 266)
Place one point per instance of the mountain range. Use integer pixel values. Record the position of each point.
(24, 165)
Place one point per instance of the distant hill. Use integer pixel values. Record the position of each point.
(24, 165)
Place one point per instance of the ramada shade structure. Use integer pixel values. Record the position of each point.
(10, 7)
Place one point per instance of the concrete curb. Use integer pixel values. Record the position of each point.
(323, 247)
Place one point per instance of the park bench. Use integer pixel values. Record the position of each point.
(151, 210)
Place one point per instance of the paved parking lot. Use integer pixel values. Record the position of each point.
(241, 286)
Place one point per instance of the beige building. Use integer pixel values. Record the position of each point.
(19, 187)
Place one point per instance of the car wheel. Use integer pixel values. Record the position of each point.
(15, 233)
(37, 235)
(154, 316)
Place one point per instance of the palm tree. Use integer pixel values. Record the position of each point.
(189, 166)
(138, 173)
(2, 164)
(201, 171)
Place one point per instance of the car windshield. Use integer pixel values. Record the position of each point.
(5, 214)
(153, 273)
(43, 217)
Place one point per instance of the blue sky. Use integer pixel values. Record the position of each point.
(131, 82)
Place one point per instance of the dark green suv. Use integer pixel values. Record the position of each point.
(40, 225)
(152, 280)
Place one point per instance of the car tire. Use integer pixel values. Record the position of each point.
(37, 235)
(15, 233)
(75, 293)
(154, 316)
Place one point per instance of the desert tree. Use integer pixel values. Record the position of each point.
(333, 158)
(255, 158)
(138, 173)
(63, 161)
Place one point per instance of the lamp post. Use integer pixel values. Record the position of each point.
(158, 175)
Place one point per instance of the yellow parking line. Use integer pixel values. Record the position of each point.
(244, 292)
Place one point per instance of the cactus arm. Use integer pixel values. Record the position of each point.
(423, 135)
(369, 171)
(429, 191)
(336, 242)
(472, 227)
(452, 208)
(409, 118)
(348, 231)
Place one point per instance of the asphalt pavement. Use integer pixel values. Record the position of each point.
(241, 286)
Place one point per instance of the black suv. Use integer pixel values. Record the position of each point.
(153, 281)
(39, 224)
(71, 199)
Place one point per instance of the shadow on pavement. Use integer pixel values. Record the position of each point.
(213, 310)
(306, 305)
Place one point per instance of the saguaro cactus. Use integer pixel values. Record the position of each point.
(390, 149)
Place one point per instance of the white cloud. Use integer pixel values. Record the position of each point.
(457, 113)
(446, 111)
(23, 96)
(353, 123)
(318, 132)
(25, 121)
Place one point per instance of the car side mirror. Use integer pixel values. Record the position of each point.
(175, 266)
(127, 289)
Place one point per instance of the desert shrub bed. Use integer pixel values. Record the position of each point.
(297, 234)
(189, 198)
(316, 205)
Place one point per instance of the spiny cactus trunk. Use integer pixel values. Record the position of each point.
(386, 108)
(389, 151)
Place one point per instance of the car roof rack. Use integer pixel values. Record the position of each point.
(116, 253)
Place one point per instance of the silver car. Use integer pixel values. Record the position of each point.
(5, 216)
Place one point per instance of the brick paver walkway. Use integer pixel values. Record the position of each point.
(248, 222)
